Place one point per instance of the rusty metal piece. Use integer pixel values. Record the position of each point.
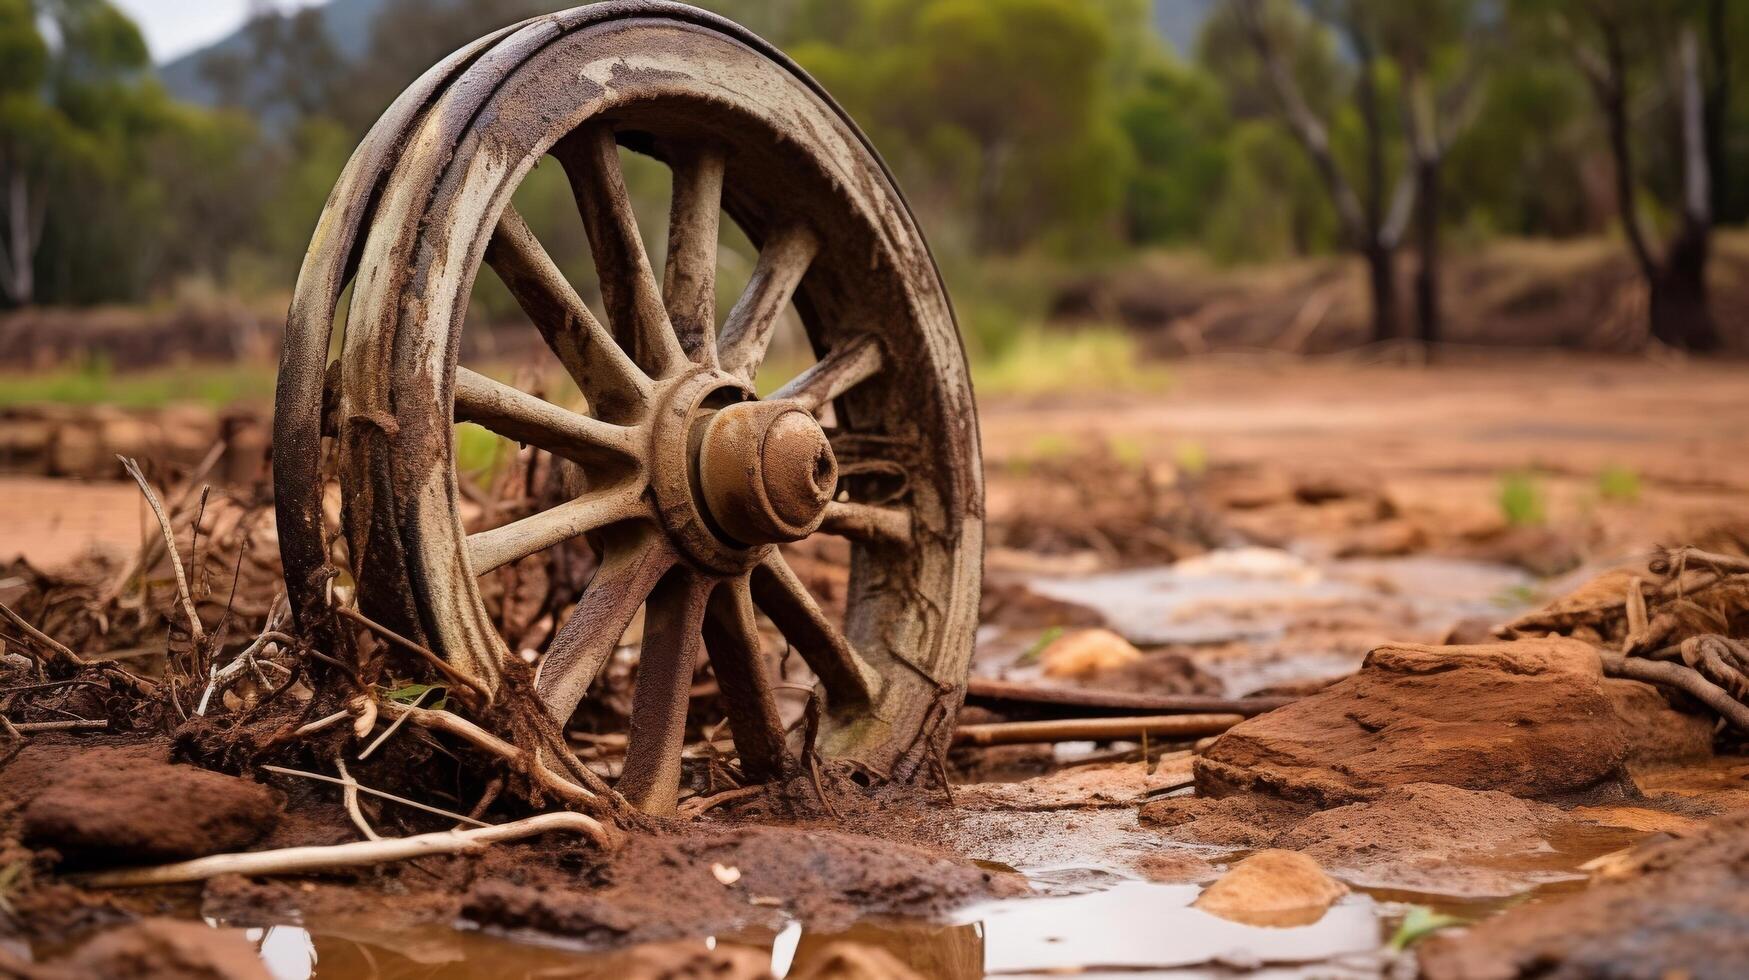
(767, 472)
(690, 482)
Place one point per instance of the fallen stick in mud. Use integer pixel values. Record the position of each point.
(1045, 701)
(1683, 679)
(296, 860)
(1094, 729)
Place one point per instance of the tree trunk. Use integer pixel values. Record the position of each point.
(20, 250)
(1382, 276)
(1427, 312)
(1678, 308)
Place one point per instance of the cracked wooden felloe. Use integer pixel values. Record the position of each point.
(692, 481)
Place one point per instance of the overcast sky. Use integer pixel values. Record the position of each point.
(176, 27)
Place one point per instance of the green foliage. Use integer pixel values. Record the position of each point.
(1042, 361)
(1521, 499)
(418, 694)
(1191, 458)
(1618, 484)
(93, 383)
(1419, 923)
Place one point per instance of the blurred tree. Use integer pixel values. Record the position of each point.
(1178, 127)
(30, 134)
(1677, 53)
(1372, 220)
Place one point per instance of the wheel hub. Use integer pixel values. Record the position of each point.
(766, 472)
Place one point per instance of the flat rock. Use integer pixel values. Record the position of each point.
(1678, 909)
(1530, 718)
(1657, 733)
(1081, 787)
(128, 804)
(1085, 652)
(1272, 888)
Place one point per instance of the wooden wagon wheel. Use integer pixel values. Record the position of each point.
(692, 481)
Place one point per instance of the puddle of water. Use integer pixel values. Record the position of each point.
(1124, 925)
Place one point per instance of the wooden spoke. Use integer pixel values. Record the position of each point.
(520, 416)
(612, 383)
(783, 260)
(780, 593)
(630, 569)
(867, 522)
(628, 287)
(847, 366)
(500, 546)
(689, 280)
(674, 619)
(731, 636)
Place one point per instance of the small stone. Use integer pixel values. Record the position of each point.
(1085, 652)
(1272, 888)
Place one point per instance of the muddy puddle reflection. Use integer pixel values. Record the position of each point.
(1128, 926)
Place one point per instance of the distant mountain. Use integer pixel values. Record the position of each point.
(348, 22)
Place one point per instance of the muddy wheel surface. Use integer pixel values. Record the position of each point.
(690, 482)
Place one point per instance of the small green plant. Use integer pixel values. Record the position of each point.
(1030, 654)
(1516, 597)
(415, 694)
(1419, 923)
(1131, 451)
(1191, 458)
(1618, 484)
(1521, 499)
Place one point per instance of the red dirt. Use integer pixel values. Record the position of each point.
(127, 804)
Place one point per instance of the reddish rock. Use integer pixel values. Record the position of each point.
(1530, 718)
(1679, 909)
(1656, 732)
(128, 804)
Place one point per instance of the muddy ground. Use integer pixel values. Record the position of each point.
(1310, 531)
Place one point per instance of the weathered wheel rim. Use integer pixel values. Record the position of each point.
(800, 180)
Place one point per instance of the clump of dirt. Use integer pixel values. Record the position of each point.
(1428, 837)
(1243, 821)
(128, 804)
(1527, 718)
(1680, 909)
(709, 881)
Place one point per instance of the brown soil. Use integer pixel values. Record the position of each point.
(97, 805)
(1682, 910)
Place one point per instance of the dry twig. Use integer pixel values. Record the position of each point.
(300, 860)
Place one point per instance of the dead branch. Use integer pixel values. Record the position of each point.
(53, 647)
(195, 630)
(1046, 701)
(535, 767)
(300, 860)
(1094, 729)
(443, 666)
(1683, 679)
(68, 725)
(379, 794)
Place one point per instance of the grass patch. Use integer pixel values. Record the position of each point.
(94, 383)
(1522, 501)
(1618, 484)
(1038, 362)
